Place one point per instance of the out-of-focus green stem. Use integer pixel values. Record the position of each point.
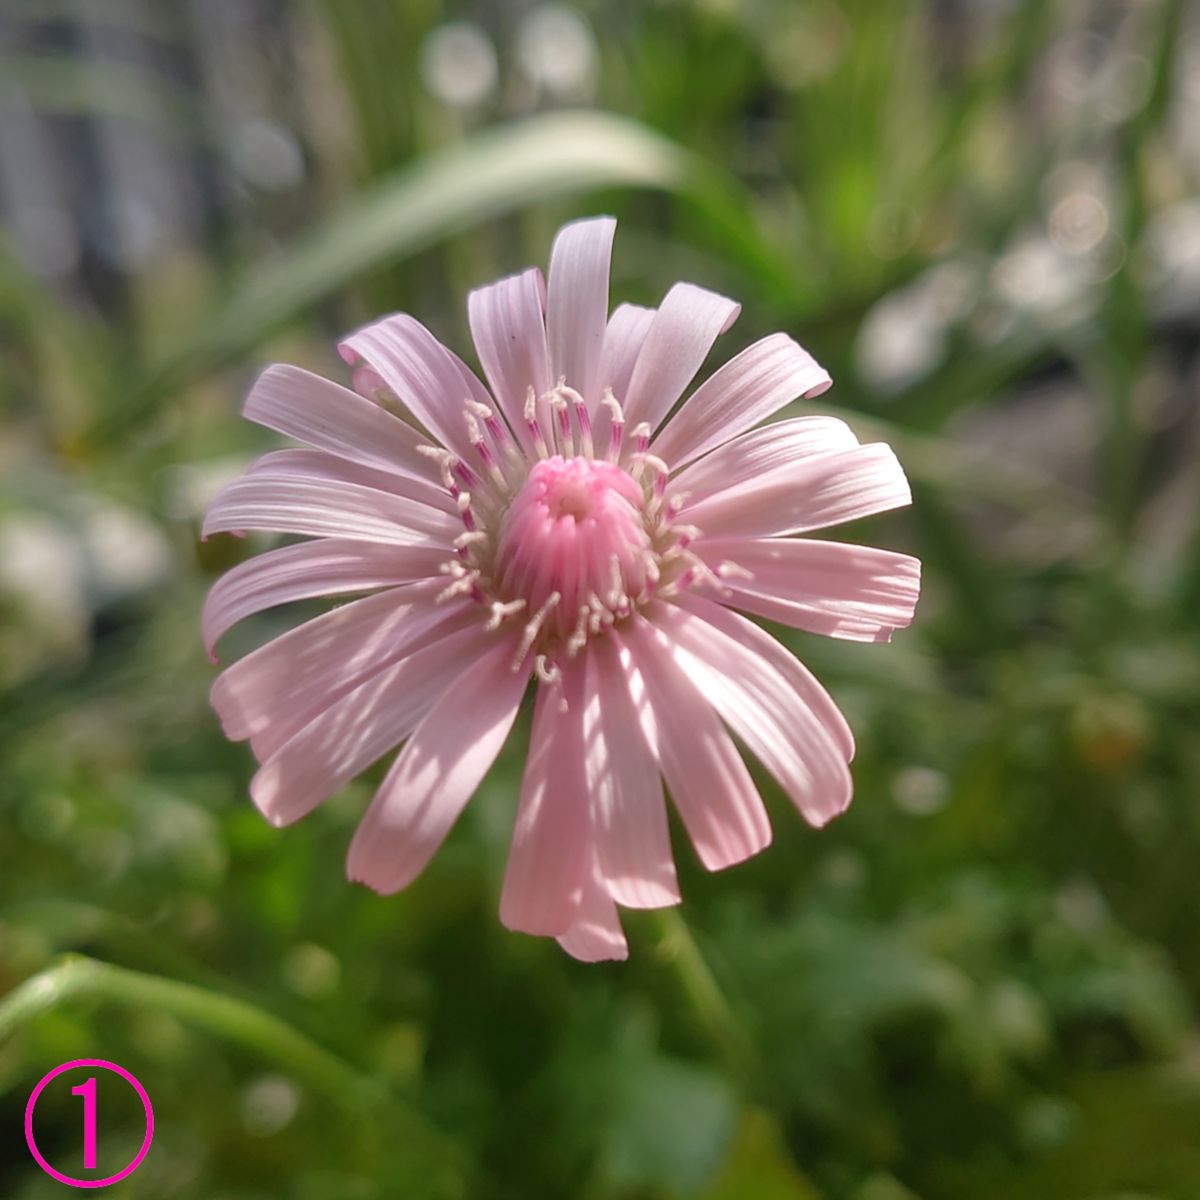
(1124, 319)
(75, 977)
(711, 1006)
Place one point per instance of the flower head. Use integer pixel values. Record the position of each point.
(560, 524)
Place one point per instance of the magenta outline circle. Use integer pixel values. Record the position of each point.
(70, 1179)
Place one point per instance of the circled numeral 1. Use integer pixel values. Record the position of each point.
(88, 1092)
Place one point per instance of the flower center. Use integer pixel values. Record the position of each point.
(575, 529)
(560, 533)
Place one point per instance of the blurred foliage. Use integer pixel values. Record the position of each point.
(982, 216)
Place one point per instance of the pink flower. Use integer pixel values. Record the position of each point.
(559, 523)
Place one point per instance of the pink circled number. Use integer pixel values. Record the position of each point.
(88, 1092)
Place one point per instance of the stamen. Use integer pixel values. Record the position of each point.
(579, 637)
(487, 455)
(653, 577)
(447, 465)
(467, 585)
(616, 587)
(464, 510)
(597, 606)
(533, 628)
(641, 438)
(643, 460)
(534, 425)
(582, 419)
(562, 415)
(496, 427)
(443, 458)
(474, 433)
(617, 429)
(500, 612)
(703, 571)
(550, 673)
(465, 473)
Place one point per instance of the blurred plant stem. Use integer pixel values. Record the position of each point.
(1125, 324)
(711, 1007)
(78, 978)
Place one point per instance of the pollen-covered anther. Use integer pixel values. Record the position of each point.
(579, 635)
(562, 420)
(534, 425)
(533, 627)
(616, 583)
(646, 463)
(685, 535)
(445, 462)
(582, 419)
(502, 445)
(466, 584)
(465, 511)
(697, 572)
(501, 611)
(474, 431)
(548, 672)
(469, 538)
(617, 426)
(489, 458)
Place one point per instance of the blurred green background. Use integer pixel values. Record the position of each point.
(982, 216)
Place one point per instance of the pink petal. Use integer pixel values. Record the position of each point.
(325, 567)
(709, 783)
(325, 508)
(760, 451)
(633, 844)
(438, 771)
(329, 417)
(509, 331)
(281, 686)
(798, 677)
(551, 843)
(596, 935)
(351, 733)
(840, 590)
(623, 340)
(682, 333)
(761, 708)
(428, 379)
(745, 391)
(577, 302)
(321, 467)
(824, 490)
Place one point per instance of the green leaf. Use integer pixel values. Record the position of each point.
(759, 1165)
(675, 1125)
